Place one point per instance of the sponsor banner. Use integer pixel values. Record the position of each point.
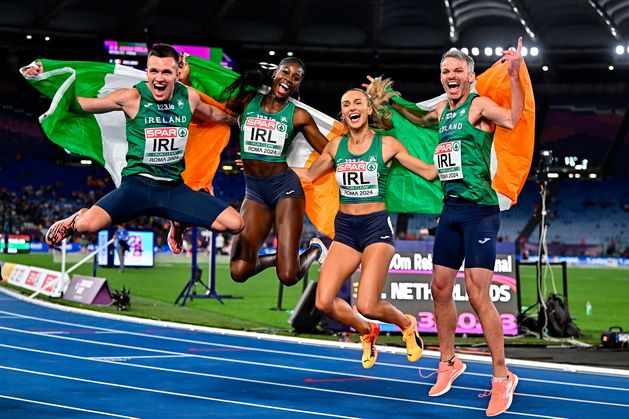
(7, 269)
(45, 281)
(408, 288)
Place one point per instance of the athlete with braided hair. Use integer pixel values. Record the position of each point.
(274, 197)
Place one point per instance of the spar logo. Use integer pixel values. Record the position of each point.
(170, 132)
(444, 148)
(352, 167)
(261, 123)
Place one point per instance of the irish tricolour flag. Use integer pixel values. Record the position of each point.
(102, 137)
(511, 152)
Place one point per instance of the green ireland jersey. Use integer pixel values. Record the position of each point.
(266, 136)
(158, 134)
(361, 178)
(463, 156)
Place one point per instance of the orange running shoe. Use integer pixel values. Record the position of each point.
(501, 394)
(62, 229)
(175, 237)
(370, 353)
(414, 343)
(446, 375)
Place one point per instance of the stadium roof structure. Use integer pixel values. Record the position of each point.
(569, 34)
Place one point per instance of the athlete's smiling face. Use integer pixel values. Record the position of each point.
(286, 79)
(355, 108)
(456, 78)
(162, 76)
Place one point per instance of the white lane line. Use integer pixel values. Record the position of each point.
(302, 341)
(124, 358)
(286, 367)
(200, 374)
(292, 386)
(298, 354)
(62, 406)
(170, 393)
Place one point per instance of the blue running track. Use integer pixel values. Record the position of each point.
(63, 362)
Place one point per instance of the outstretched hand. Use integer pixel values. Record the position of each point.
(371, 80)
(33, 70)
(513, 58)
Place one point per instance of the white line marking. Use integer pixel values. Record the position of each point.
(124, 358)
(295, 340)
(3, 396)
(344, 374)
(297, 354)
(171, 393)
(372, 396)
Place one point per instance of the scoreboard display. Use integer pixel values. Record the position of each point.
(16, 243)
(133, 54)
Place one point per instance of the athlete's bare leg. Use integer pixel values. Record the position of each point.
(445, 310)
(477, 281)
(244, 262)
(341, 262)
(374, 270)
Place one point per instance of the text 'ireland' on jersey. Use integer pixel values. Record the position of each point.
(158, 135)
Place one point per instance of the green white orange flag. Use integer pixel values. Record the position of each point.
(102, 137)
(512, 150)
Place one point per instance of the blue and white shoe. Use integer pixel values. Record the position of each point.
(324, 250)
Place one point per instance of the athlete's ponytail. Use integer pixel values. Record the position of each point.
(380, 93)
(240, 92)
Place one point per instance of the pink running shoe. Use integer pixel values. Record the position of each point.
(446, 376)
(501, 394)
(175, 237)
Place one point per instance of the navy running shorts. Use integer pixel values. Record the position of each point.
(271, 190)
(139, 195)
(360, 231)
(466, 230)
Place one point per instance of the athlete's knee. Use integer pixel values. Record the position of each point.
(239, 272)
(88, 223)
(325, 307)
(368, 309)
(236, 224)
(287, 270)
(229, 220)
(440, 290)
(288, 278)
